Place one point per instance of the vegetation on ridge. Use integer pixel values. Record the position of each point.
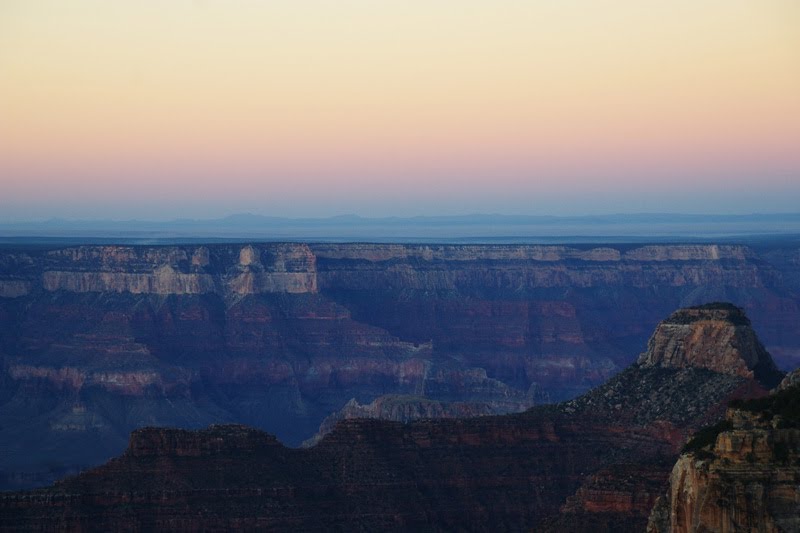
(689, 315)
(784, 404)
(704, 438)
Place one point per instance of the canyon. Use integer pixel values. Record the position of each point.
(97, 341)
(598, 462)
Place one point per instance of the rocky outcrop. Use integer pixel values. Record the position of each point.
(12, 288)
(741, 475)
(792, 379)
(653, 394)
(594, 463)
(671, 404)
(715, 336)
(281, 268)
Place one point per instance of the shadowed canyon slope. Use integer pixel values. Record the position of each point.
(594, 463)
(97, 341)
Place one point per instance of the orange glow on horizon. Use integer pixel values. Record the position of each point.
(350, 95)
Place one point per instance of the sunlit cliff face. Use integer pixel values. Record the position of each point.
(439, 105)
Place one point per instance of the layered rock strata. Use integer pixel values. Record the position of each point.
(594, 463)
(716, 336)
(747, 476)
(281, 335)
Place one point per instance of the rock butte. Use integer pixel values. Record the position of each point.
(714, 336)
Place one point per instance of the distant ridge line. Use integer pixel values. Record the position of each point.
(477, 228)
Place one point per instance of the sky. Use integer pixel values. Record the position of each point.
(167, 108)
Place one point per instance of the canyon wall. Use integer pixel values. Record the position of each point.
(595, 463)
(96, 341)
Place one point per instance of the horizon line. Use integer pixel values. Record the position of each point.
(356, 216)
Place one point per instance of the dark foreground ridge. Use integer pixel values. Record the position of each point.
(596, 463)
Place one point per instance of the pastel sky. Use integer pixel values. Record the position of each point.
(168, 108)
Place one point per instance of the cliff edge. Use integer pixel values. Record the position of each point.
(742, 474)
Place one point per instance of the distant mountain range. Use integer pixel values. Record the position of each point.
(461, 228)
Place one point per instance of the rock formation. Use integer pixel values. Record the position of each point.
(715, 336)
(740, 475)
(792, 379)
(594, 463)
